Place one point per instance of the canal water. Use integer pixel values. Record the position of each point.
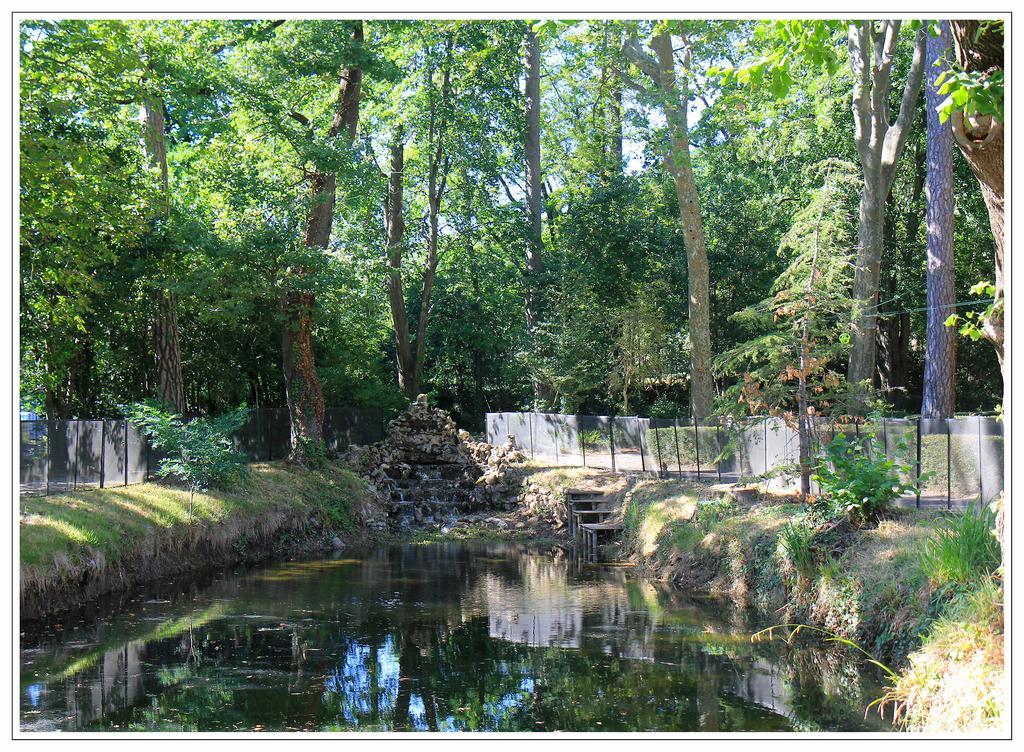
(461, 636)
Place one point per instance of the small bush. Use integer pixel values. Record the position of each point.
(964, 548)
(857, 484)
(711, 511)
(199, 452)
(794, 544)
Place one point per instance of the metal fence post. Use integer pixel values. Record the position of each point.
(558, 435)
(981, 466)
(126, 451)
(917, 470)
(103, 450)
(582, 437)
(949, 468)
(766, 445)
(611, 439)
(885, 440)
(675, 436)
(657, 445)
(78, 433)
(640, 437)
(531, 437)
(718, 459)
(696, 444)
(49, 450)
(263, 423)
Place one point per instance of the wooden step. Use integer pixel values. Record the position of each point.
(582, 512)
(607, 503)
(597, 526)
(577, 493)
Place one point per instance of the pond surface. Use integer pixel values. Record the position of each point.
(436, 637)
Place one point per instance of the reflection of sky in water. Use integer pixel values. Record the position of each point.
(351, 684)
(491, 640)
(33, 692)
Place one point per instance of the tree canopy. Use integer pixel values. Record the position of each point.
(174, 172)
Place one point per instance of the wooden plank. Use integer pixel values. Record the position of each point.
(595, 526)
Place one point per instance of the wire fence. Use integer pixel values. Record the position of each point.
(949, 462)
(66, 455)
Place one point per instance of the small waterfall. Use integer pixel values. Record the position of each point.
(428, 470)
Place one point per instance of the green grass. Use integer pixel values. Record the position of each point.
(963, 550)
(63, 535)
(954, 682)
(915, 590)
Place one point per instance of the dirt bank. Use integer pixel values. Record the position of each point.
(75, 547)
(866, 585)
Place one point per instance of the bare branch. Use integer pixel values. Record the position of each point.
(897, 133)
(635, 54)
(857, 44)
(299, 117)
(508, 193)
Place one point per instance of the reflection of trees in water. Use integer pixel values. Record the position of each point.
(445, 637)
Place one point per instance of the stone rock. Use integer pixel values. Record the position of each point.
(336, 542)
(426, 468)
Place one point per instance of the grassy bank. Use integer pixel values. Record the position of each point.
(870, 585)
(76, 546)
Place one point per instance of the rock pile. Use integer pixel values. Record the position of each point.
(544, 504)
(429, 471)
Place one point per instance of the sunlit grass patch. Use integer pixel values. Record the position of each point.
(955, 681)
(101, 528)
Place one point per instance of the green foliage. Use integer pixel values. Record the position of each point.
(769, 140)
(639, 350)
(199, 451)
(964, 548)
(972, 323)
(856, 481)
(794, 545)
(713, 510)
(820, 238)
(972, 92)
(312, 451)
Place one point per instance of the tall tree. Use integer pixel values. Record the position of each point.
(166, 333)
(674, 99)
(301, 380)
(438, 165)
(395, 227)
(880, 142)
(940, 340)
(534, 239)
(978, 131)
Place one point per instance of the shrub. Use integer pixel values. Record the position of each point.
(857, 484)
(964, 548)
(199, 452)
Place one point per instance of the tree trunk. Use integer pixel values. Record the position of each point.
(164, 327)
(167, 350)
(939, 398)
(879, 144)
(396, 295)
(977, 49)
(534, 241)
(302, 383)
(805, 422)
(614, 118)
(437, 180)
(678, 164)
